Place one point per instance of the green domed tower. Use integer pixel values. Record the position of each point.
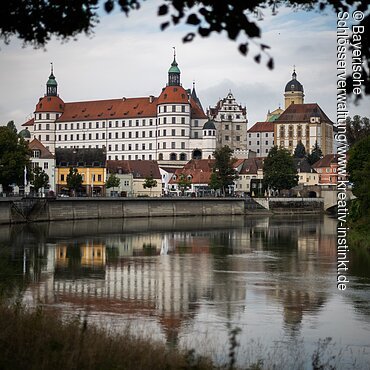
(51, 85)
(174, 72)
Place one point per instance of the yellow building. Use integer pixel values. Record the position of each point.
(90, 163)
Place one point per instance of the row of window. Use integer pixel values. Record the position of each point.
(237, 127)
(258, 134)
(37, 164)
(94, 177)
(258, 143)
(230, 117)
(48, 116)
(174, 108)
(227, 138)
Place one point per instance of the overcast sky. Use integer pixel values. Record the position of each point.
(130, 57)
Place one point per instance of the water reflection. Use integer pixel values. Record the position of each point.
(186, 278)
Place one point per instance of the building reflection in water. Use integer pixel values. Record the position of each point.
(167, 270)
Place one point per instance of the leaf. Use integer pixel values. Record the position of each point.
(257, 58)
(270, 64)
(108, 6)
(163, 9)
(243, 48)
(204, 32)
(189, 37)
(193, 19)
(164, 25)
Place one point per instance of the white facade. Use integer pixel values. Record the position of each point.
(165, 128)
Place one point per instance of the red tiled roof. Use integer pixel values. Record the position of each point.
(50, 104)
(262, 127)
(109, 109)
(139, 168)
(37, 145)
(326, 161)
(173, 94)
(30, 122)
(199, 169)
(251, 166)
(302, 113)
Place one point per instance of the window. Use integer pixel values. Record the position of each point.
(99, 177)
(47, 116)
(110, 124)
(97, 136)
(123, 146)
(103, 135)
(164, 145)
(97, 125)
(129, 146)
(90, 136)
(123, 134)
(238, 138)
(150, 133)
(182, 132)
(143, 122)
(116, 123)
(116, 147)
(77, 137)
(36, 154)
(143, 146)
(136, 146)
(130, 123)
(137, 122)
(165, 108)
(183, 120)
(249, 143)
(164, 120)
(61, 177)
(150, 146)
(164, 132)
(46, 165)
(258, 143)
(150, 122)
(65, 127)
(238, 127)
(266, 142)
(90, 124)
(227, 138)
(110, 135)
(173, 145)
(173, 119)
(226, 127)
(196, 123)
(109, 147)
(183, 108)
(116, 135)
(195, 135)
(174, 108)
(182, 145)
(47, 126)
(173, 132)
(129, 134)
(137, 134)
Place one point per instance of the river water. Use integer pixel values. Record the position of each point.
(190, 282)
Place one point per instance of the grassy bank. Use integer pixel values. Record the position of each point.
(38, 340)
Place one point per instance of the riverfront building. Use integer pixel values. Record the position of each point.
(170, 127)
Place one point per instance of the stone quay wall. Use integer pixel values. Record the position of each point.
(41, 209)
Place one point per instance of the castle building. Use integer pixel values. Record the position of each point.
(231, 122)
(169, 128)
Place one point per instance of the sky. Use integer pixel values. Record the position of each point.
(130, 57)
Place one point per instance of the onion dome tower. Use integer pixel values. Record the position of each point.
(293, 91)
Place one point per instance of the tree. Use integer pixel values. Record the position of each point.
(224, 168)
(299, 151)
(315, 154)
(150, 183)
(183, 183)
(357, 129)
(214, 182)
(40, 179)
(11, 126)
(359, 172)
(36, 21)
(279, 171)
(112, 182)
(14, 157)
(74, 180)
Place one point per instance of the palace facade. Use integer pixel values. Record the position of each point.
(169, 128)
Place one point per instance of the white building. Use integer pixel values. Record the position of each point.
(231, 122)
(167, 128)
(261, 138)
(43, 158)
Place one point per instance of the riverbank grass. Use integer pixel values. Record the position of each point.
(40, 340)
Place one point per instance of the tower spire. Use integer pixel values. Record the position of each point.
(294, 75)
(174, 72)
(51, 85)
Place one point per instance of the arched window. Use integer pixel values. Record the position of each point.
(160, 156)
(173, 157)
(197, 154)
(290, 131)
(299, 131)
(282, 131)
(182, 157)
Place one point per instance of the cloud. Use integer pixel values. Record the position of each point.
(131, 56)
